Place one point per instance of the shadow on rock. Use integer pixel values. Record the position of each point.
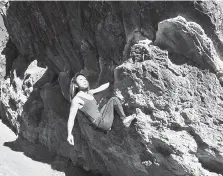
(40, 153)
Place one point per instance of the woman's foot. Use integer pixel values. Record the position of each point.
(128, 120)
(106, 131)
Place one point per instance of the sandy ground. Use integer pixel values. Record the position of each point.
(19, 157)
(16, 163)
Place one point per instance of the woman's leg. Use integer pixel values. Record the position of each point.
(119, 109)
(107, 113)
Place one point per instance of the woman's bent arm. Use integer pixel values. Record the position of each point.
(100, 88)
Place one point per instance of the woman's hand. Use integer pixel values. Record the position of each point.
(70, 139)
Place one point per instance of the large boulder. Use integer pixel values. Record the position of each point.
(14, 98)
(175, 94)
(190, 40)
(178, 111)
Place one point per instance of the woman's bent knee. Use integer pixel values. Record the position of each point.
(116, 101)
(115, 98)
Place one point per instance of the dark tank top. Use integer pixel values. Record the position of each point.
(90, 108)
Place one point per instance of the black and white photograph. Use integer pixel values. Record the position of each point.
(111, 88)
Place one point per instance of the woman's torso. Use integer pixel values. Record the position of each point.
(89, 107)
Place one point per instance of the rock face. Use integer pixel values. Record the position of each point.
(179, 112)
(163, 61)
(190, 40)
(3, 39)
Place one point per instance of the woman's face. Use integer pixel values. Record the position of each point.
(82, 82)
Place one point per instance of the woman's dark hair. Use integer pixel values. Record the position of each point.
(73, 85)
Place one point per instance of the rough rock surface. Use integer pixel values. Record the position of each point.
(178, 112)
(175, 95)
(190, 40)
(3, 39)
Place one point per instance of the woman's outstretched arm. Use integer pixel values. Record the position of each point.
(100, 88)
(70, 124)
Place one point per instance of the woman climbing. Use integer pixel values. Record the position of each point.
(81, 97)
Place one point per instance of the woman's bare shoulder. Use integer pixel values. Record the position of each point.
(77, 99)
